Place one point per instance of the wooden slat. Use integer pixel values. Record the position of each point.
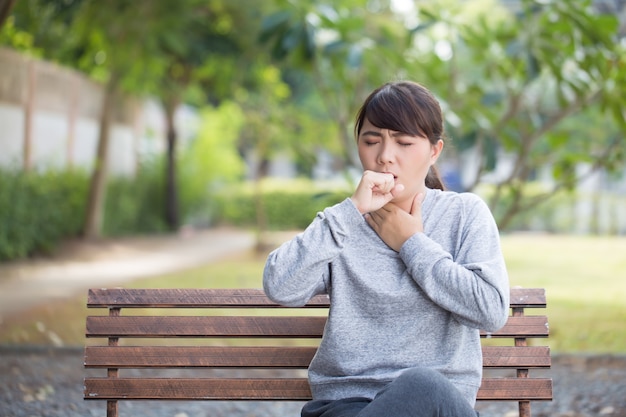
(197, 356)
(516, 357)
(188, 298)
(524, 326)
(270, 357)
(495, 389)
(294, 389)
(258, 326)
(204, 326)
(528, 298)
(240, 298)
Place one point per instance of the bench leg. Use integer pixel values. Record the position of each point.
(112, 409)
(524, 409)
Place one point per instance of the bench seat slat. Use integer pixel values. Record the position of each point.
(205, 326)
(497, 389)
(523, 326)
(188, 298)
(528, 298)
(270, 357)
(198, 356)
(516, 357)
(198, 389)
(257, 326)
(293, 389)
(240, 298)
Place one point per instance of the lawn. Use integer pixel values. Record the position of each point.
(585, 281)
(584, 277)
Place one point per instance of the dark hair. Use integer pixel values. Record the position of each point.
(406, 107)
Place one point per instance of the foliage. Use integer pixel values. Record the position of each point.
(567, 213)
(539, 84)
(38, 27)
(18, 39)
(512, 83)
(288, 204)
(211, 160)
(342, 47)
(37, 210)
(135, 205)
(138, 48)
(535, 86)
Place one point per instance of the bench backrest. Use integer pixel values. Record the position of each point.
(242, 329)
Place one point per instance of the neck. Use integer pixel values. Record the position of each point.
(406, 204)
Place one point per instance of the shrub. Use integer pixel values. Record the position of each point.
(136, 205)
(287, 204)
(39, 209)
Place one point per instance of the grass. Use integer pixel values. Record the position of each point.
(585, 281)
(584, 278)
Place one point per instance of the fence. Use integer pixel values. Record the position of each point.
(49, 118)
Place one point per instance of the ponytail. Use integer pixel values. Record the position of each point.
(434, 180)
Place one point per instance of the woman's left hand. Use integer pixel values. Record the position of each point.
(394, 225)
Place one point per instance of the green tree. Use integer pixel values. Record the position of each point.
(517, 83)
(120, 39)
(509, 81)
(203, 35)
(211, 161)
(347, 48)
(186, 53)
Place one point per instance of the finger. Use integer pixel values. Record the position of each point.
(383, 183)
(397, 189)
(416, 206)
(383, 187)
(372, 223)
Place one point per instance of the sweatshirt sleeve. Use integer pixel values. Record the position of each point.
(474, 286)
(299, 268)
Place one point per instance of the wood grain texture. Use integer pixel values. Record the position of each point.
(261, 319)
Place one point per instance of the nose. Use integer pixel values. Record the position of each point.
(385, 154)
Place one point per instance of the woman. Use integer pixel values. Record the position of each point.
(413, 272)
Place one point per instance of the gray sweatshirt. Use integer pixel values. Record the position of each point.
(390, 311)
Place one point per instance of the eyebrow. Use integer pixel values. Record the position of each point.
(371, 133)
(374, 133)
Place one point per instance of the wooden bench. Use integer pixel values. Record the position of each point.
(265, 334)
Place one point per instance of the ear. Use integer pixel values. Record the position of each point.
(436, 151)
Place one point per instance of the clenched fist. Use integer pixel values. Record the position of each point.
(374, 191)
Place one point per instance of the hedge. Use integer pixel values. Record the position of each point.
(284, 209)
(39, 209)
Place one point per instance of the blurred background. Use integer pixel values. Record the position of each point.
(140, 123)
(144, 117)
(153, 119)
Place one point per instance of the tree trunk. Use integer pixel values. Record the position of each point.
(5, 10)
(172, 217)
(262, 223)
(97, 191)
(29, 110)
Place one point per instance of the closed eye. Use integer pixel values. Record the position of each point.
(370, 137)
(404, 139)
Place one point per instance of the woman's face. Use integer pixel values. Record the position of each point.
(407, 157)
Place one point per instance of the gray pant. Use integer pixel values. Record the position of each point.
(418, 392)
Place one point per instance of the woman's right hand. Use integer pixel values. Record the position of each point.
(374, 191)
